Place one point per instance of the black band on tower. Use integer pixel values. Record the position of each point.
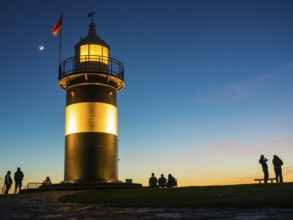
(91, 93)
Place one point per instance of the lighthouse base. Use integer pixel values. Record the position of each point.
(83, 186)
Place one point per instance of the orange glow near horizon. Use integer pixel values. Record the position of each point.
(184, 180)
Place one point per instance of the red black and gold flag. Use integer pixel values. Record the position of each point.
(57, 27)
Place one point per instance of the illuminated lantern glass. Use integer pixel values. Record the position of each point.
(94, 52)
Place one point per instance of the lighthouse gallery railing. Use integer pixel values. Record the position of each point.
(91, 64)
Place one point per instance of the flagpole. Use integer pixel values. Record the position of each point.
(60, 41)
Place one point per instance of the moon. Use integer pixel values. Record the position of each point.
(41, 47)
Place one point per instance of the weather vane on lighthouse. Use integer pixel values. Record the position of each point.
(91, 15)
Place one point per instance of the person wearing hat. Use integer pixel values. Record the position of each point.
(263, 162)
(278, 168)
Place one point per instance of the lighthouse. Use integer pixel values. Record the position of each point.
(91, 80)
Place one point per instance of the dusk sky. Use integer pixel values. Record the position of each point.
(209, 86)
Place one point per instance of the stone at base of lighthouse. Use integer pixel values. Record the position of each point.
(89, 186)
(82, 186)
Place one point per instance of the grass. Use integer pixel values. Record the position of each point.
(238, 196)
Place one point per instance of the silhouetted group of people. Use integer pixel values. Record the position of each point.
(162, 181)
(277, 162)
(18, 177)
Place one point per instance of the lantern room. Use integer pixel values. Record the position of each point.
(92, 48)
(91, 63)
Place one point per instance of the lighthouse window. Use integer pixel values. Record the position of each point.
(94, 52)
(72, 94)
(111, 95)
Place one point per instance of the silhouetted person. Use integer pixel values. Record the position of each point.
(162, 181)
(18, 177)
(263, 162)
(8, 182)
(153, 181)
(47, 181)
(171, 181)
(278, 168)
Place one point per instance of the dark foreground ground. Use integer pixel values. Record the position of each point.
(231, 196)
(47, 205)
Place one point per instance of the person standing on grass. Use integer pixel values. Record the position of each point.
(263, 162)
(153, 181)
(8, 182)
(278, 163)
(18, 177)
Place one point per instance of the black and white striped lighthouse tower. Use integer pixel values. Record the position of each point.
(91, 80)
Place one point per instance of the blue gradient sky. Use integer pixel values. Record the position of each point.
(209, 86)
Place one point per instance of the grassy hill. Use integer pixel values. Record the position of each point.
(238, 196)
